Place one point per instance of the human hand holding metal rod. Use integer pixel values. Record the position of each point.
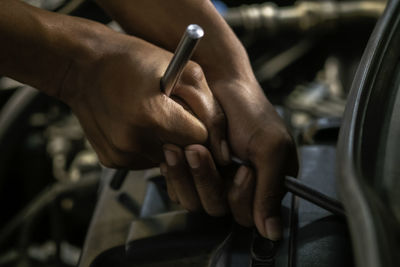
(182, 55)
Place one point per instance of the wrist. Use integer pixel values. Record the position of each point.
(219, 53)
(85, 44)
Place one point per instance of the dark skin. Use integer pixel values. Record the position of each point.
(111, 82)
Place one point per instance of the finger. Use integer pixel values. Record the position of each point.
(293, 162)
(208, 182)
(269, 150)
(170, 188)
(180, 178)
(240, 196)
(193, 89)
(268, 196)
(176, 125)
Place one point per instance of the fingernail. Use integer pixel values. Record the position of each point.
(193, 158)
(225, 151)
(241, 175)
(170, 157)
(273, 228)
(163, 169)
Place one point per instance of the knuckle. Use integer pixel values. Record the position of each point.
(193, 74)
(280, 142)
(285, 141)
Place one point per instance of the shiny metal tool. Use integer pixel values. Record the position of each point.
(182, 54)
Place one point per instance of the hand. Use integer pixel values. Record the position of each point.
(258, 135)
(255, 132)
(126, 117)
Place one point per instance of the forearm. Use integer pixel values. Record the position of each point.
(163, 22)
(39, 47)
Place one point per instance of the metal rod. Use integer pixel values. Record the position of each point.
(181, 56)
(297, 188)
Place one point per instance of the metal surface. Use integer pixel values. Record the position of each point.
(181, 56)
(375, 232)
(296, 187)
(304, 15)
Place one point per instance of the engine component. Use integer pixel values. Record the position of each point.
(303, 16)
(368, 149)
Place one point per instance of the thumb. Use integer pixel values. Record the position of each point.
(273, 154)
(267, 199)
(178, 126)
